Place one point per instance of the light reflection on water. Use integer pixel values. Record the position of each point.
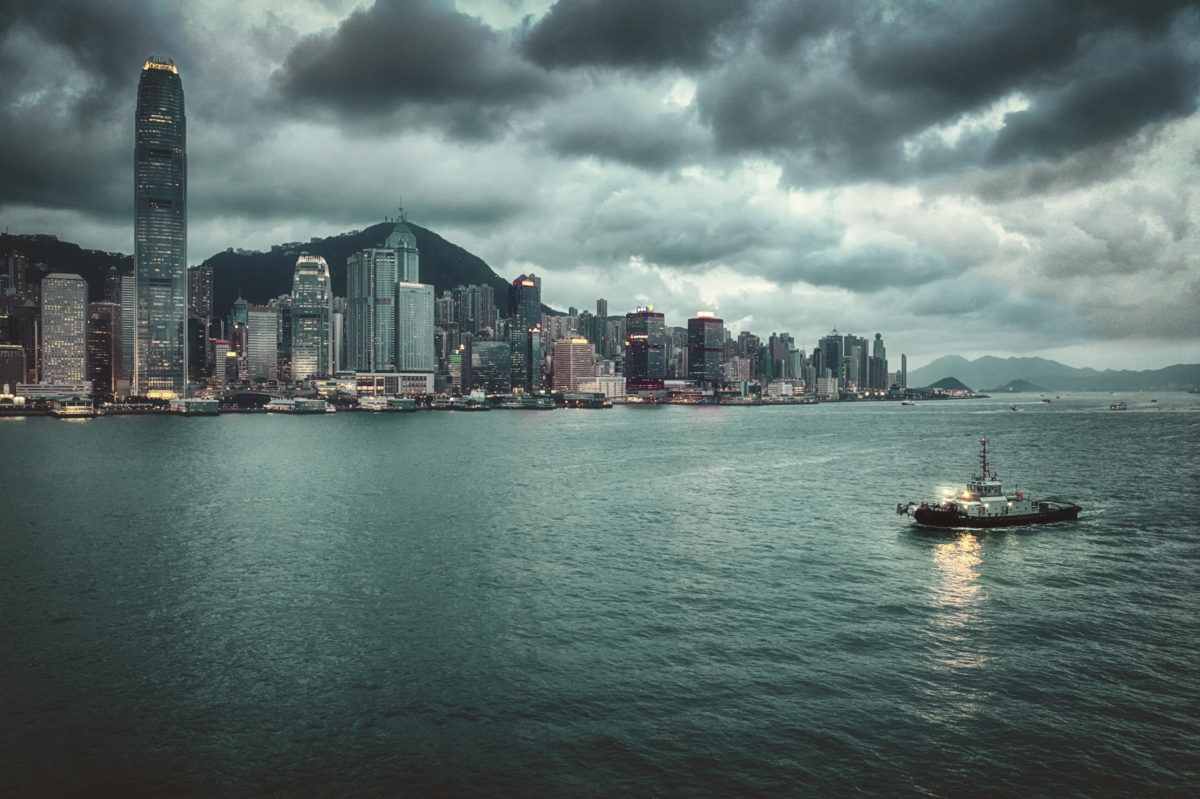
(957, 599)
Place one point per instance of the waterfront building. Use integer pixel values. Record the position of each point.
(414, 328)
(104, 346)
(645, 341)
(312, 319)
(706, 348)
(491, 367)
(160, 232)
(573, 363)
(611, 386)
(827, 388)
(12, 365)
(262, 342)
(64, 328)
(393, 384)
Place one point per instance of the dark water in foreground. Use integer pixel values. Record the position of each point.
(645, 602)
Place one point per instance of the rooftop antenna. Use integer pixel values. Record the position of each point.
(402, 217)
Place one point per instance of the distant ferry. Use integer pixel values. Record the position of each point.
(1118, 406)
(985, 504)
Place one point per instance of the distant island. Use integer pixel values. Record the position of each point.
(1022, 386)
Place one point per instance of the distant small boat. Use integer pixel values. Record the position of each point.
(1045, 399)
(1012, 407)
(908, 402)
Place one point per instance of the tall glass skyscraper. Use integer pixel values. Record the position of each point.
(312, 318)
(645, 356)
(160, 232)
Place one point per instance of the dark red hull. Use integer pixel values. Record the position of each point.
(933, 516)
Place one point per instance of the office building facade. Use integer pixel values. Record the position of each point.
(706, 348)
(64, 328)
(312, 319)
(160, 232)
(645, 351)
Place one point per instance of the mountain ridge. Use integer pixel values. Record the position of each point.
(987, 372)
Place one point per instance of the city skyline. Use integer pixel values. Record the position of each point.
(991, 179)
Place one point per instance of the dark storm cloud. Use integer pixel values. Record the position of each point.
(417, 55)
(835, 97)
(66, 101)
(630, 33)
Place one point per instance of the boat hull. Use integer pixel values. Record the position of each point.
(1048, 512)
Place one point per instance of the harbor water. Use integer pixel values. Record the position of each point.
(643, 601)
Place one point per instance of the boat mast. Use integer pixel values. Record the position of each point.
(983, 458)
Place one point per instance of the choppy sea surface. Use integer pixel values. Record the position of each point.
(658, 602)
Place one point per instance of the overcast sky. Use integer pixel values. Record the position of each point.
(1009, 178)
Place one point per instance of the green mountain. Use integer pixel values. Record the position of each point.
(259, 276)
(62, 256)
(1053, 376)
(949, 384)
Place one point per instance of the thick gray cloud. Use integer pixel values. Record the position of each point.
(631, 33)
(420, 54)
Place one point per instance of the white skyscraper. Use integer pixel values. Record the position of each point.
(414, 328)
(64, 328)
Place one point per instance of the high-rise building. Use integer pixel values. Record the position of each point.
(312, 318)
(602, 308)
(127, 296)
(12, 366)
(491, 370)
(104, 346)
(525, 301)
(573, 362)
(64, 328)
(160, 232)
(414, 328)
(200, 291)
(706, 348)
(833, 352)
(878, 376)
(262, 342)
(371, 279)
(525, 316)
(645, 356)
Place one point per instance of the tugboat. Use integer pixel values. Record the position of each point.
(985, 504)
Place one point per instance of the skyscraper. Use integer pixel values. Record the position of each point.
(312, 312)
(104, 345)
(574, 360)
(414, 327)
(64, 328)
(262, 342)
(200, 290)
(371, 279)
(525, 311)
(706, 348)
(160, 232)
(645, 356)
